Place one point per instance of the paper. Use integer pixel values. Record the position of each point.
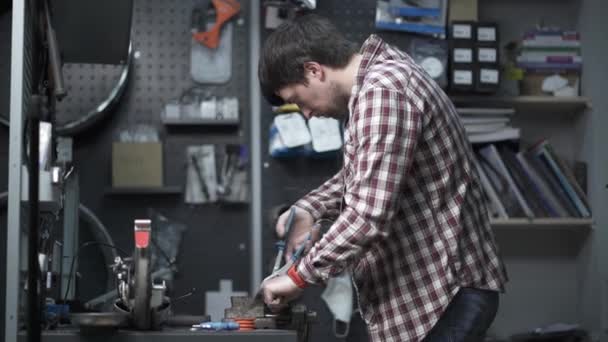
(463, 77)
(461, 31)
(293, 129)
(325, 134)
(487, 55)
(488, 76)
(463, 55)
(486, 34)
(554, 83)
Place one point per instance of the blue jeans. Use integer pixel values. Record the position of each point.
(467, 317)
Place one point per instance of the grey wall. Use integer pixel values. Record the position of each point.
(544, 266)
(593, 263)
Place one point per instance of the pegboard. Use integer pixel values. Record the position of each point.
(161, 41)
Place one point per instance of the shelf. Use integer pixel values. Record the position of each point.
(165, 190)
(526, 104)
(200, 122)
(544, 223)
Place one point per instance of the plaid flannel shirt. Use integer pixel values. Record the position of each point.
(414, 227)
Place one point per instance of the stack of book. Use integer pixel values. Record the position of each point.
(546, 53)
(534, 183)
(551, 49)
(487, 125)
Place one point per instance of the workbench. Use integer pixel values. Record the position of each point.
(166, 335)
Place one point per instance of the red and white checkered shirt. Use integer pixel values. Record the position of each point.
(414, 227)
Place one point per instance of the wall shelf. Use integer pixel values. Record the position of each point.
(544, 223)
(200, 122)
(165, 190)
(536, 104)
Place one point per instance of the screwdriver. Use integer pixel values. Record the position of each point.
(281, 244)
(216, 326)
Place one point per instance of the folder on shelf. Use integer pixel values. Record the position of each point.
(505, 187)
(528, 190)
(509, 133)
(555, 208)
(556, 189)
(497, 210)
(541, 151)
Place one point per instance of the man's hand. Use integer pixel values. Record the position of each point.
(302, 225)
(278, 291)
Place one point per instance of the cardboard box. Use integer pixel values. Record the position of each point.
(532, 83)
(463, 10)
(137, 164)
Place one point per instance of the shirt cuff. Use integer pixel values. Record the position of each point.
(295, 277)
(315, 208)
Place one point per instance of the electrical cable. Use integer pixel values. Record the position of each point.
(99, 231)
(83, 245)
(164, 254)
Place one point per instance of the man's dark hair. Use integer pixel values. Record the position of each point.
(305, 39)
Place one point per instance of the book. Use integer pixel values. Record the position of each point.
(497, 210)
(549, 59)
(552, 204)
(484, 111)
(512, 197)
(542, 151)
(571, 178)
(525, 185)
(543, 171)
(551, 34)
(484, 128)
(550, 66)
(508, 133)
(478, 120)
(539, 42)
(551, 51)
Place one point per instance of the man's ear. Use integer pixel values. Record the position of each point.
(314, 70)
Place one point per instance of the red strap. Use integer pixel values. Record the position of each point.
(295, 276)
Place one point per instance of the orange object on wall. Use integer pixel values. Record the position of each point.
(224, 11)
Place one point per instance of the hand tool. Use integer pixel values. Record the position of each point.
(224, 11)
(201, 178)
(281, 243)
(283, 270)
(216, 326)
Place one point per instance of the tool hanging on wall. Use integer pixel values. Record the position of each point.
(211, 43)
(224, 11)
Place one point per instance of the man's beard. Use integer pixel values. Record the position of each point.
(338, 108)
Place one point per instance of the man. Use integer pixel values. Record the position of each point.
(412, 225)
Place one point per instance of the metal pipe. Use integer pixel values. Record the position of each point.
(33, 266)
(13, 235)
(256, 148)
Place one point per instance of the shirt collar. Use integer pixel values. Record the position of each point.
(370, 49)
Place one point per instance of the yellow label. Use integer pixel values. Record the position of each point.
(514, 73)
